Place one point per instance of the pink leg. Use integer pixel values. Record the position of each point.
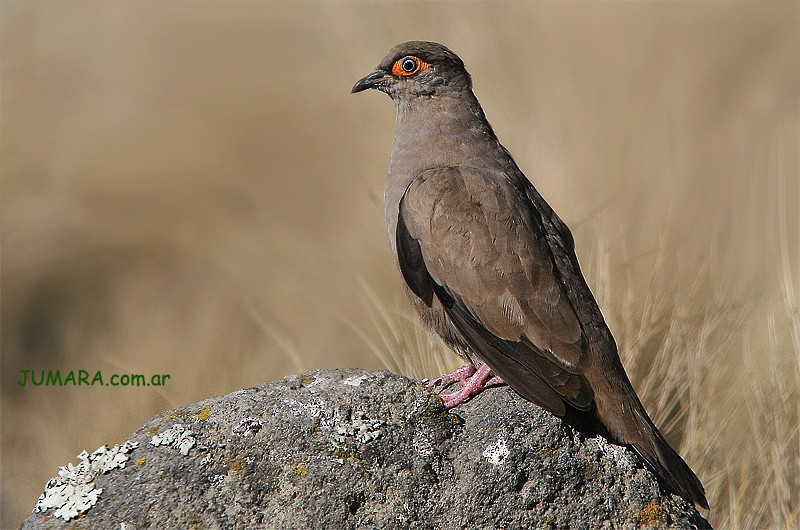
(480, 380)
(459, 376)
(493, 382)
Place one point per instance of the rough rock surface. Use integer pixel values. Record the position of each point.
(344, 449)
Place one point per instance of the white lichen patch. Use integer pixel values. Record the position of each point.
(248, 427)
(422, 445)
(360, 428)
(177, 436)
(419, 404)
(314, 409)
(356, 380)
(614, 452)
(73, 491)
(497, 453)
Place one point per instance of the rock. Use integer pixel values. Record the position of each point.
(344, 449)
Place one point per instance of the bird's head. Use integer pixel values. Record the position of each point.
(417, 68)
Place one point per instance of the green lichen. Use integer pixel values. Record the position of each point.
(546, 452)
(236, 464)
(588, 469)
(306, 379)
(301, 469)
(346, 453)
(193, 522)
(203, 415)
(153, 430)
(455, 419)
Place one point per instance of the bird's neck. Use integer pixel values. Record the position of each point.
(443, 131)
(440, 131)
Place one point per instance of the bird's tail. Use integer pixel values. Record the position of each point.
(673, 470)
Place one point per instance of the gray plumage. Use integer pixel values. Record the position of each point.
(492, 269)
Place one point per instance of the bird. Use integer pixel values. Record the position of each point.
(491, 268)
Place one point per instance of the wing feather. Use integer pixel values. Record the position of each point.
(470, 238)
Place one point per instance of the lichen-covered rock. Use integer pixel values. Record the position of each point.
(344, 449)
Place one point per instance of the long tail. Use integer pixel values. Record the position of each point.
(673, 470)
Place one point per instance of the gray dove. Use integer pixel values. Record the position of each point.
(491, 268)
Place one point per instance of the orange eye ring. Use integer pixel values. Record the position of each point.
(408, 65)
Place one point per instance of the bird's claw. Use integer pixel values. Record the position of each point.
(473, 382)
(460, 375)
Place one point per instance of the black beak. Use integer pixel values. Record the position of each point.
(370, 81)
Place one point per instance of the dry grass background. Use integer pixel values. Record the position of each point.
(189, 188)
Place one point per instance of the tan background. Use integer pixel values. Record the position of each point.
(189, 188)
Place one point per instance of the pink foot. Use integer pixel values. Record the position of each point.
(458, 376)
(471, 385)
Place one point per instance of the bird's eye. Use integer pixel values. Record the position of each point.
(408, 65)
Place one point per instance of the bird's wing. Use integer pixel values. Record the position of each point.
(475, 241)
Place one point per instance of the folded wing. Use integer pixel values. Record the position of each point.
(470, 239)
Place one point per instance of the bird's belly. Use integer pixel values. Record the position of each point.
(436, 320)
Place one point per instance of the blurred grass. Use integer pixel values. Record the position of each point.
(189, 188)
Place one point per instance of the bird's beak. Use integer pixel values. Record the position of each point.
(370, 81)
